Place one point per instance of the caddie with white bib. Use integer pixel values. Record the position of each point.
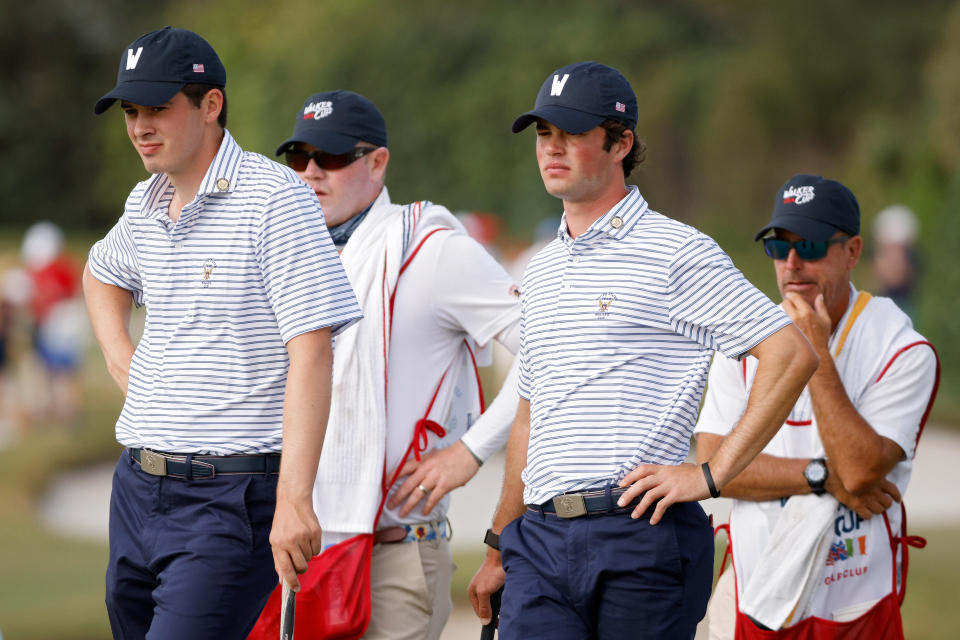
(405, 421)
(817, 530)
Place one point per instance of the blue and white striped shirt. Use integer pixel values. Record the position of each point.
(248, 266)
(618, 328)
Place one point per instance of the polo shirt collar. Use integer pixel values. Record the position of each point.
(615, 223)
(221, 177)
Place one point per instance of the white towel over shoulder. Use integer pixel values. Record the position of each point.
(348, 487)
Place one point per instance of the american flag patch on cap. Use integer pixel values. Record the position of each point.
(198, 68)
(619, 106)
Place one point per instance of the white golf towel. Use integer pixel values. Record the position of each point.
(347, 492)
(787, 572)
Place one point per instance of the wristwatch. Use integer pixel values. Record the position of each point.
(816, 475)
(492, 540)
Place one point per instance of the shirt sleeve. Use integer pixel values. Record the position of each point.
(473, 293)
(713, 304)
(492, 430)
(113, 260)
(895, 404)
(726, 397)
(302, 274)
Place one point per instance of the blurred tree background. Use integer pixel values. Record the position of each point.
(734, 98)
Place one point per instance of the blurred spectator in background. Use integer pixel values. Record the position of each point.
(59, 325)
(894, 259)
(7, 408)
(545, 232)
(486, 228)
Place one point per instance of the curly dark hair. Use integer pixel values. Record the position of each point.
(615, 131)
(195, 92)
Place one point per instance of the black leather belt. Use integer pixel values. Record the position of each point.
(158, 463)
(586, 503)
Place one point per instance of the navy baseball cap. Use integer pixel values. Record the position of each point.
(335, 121)
(581, 96)
(814, 208)
(158, 64)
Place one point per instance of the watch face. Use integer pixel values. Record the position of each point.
(816, 471)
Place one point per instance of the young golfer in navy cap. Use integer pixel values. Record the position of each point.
(243, 288)
(600, 532)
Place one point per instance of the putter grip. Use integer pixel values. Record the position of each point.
(486, 633)
(288, 605)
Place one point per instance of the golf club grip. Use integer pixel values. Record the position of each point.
(486, 633)
(288, 605)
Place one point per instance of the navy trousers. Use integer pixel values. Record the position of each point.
(188, 558)
(606, 576)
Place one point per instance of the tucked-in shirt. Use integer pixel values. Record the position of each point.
(617, 330)
(248, 266)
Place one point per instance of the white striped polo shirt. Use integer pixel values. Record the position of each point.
(248, 266)
(618, 329)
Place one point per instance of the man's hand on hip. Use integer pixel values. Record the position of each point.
(665, 485)
(437, 474)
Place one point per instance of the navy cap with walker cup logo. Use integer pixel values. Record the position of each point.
(335, 121)
(814, 208)
(581, 96)
(157, 65)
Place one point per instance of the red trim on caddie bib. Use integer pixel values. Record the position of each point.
(798, 423)
(936, 383)
(476, 372)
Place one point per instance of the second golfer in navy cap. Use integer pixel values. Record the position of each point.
(600, 532)
(581, 96)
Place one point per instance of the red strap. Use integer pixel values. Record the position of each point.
(936, 382)
(421, 437)
(728, 553)
(476, 372)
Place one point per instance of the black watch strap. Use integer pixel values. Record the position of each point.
(492, 540)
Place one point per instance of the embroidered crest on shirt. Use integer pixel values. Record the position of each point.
(318, 110)
(208, 267)
(603, 304)
(514, 291)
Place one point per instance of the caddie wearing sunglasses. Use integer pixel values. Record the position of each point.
(430, 294)
(849, 440)
(814, 240)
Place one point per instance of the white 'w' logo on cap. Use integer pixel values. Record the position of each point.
(133, 58)
(557, 87)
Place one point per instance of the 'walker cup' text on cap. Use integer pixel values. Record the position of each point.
(158, 64)
(335, 121)
(814, 208)
(581, 96)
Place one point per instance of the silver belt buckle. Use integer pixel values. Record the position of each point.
(153, 463)
(570, 506)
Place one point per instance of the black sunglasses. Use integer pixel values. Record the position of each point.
(806, 249)
(298, 159)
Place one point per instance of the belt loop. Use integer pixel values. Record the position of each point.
(188, 473)
(608, 492)
(266, 465)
